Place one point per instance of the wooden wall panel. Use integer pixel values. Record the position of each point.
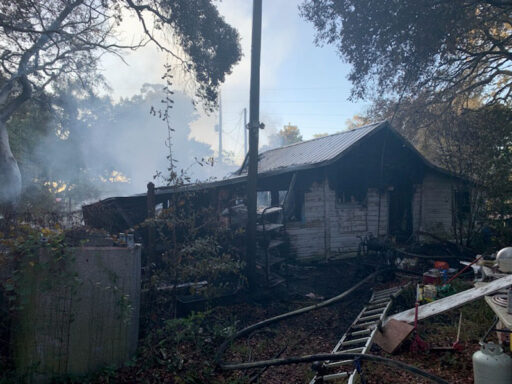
(331, 226)
(436, 204)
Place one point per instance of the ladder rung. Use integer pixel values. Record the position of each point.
(355, 341)
(379, 300)
(378, 306)
(351, 350)
(385, 294)
(338, 363)
(358, 333)
(373, 311)
(371, 317)
(364, 325)
(388, 290)
(381, 297)
(335, 376)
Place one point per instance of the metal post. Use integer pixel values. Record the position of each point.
(150, 202)
(220, 128)
(245, 131)
(254, 125)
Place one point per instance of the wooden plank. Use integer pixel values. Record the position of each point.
(275, 244)
(501, 312)
(327, 222)
(454, 301)
(269, 227)
(269, 211)
(394, 333)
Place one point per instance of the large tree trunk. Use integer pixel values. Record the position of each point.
(10, 176)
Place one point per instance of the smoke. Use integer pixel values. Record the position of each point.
(270, 137)
(97, 148)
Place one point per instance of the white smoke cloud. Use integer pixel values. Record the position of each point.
(279, 39)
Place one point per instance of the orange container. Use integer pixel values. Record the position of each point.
(441, 265)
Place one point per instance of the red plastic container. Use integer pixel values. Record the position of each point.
(432, 277)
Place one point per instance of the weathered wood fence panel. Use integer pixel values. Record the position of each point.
(74, 329)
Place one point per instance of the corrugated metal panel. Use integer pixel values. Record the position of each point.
(310, 152)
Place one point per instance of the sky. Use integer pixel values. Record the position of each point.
(301, 84)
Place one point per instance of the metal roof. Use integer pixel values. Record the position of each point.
(200, 186)
(311, 152)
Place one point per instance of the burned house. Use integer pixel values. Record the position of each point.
(336, 191)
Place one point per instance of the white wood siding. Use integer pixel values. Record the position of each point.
(307, 239)
(332, 227)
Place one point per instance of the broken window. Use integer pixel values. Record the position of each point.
(263, 199)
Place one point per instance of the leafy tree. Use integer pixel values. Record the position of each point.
(319, 135)
(356, 121)
(290, 134)
(43, 42)
(406, 47)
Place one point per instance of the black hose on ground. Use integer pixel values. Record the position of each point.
(335, 357)
(312, 358)
(224, 346)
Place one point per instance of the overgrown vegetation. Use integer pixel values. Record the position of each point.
(31, 259)
(191, 249)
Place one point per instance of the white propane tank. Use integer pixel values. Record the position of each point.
(491, 365)
(504, 259)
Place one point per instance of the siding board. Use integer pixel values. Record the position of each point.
(332, 226)
(436, 204)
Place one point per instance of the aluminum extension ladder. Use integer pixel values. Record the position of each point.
(359, 336)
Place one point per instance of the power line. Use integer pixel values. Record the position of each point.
(315, 101)
(302, 101)
(237, 124)
(306, 114)
(292, 88)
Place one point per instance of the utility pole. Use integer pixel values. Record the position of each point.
(254, 126)
(220, 128)
(245, 131)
